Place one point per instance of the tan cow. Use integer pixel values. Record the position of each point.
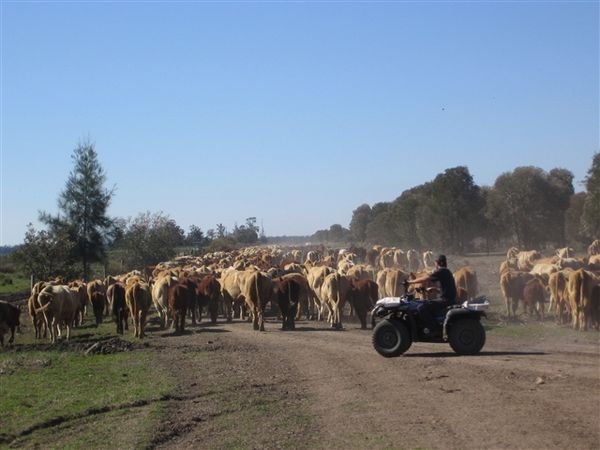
(414, 261)
(360, 272)
(557, 285)
(428, 260)
(386, 258)
(544, 270)
(37, 318)
(138, 299)
(594, 262)
(58, 307)
(232, 282)
(526, 260)
(390, 282)
(400, 259)
(257, 290)
(315, 278)
(509, 264)
(512, 253)
(335, 292)
(344, 265)
(565, 252)
(594, 248)
(160, 297)
(466, 278)
(570, 263)
(582, 295)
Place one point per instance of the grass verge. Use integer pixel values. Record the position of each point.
(64, 399)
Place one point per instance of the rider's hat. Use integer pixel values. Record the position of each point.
(441, 259)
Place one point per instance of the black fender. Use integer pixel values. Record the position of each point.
(460, 313)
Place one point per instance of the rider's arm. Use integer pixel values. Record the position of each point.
(423, 279)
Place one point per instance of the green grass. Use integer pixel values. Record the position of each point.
(13, 283)
(39, 386)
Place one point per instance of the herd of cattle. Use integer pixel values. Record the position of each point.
(316, 283)
(572, 284)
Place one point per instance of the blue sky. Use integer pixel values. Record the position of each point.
(295, 113)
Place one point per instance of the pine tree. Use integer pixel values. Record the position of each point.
(83, 208)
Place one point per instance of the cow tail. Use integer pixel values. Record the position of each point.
(581, 299)
(339, 312)
(42, 309)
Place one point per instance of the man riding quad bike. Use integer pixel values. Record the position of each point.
(406, 319)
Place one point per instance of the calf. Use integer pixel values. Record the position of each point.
(512, 283)
(98, 305)
(533, 297)
(116, 297)
(179, 302)
(286, 293)
(9, 321)
(209, 293)
(363, 296)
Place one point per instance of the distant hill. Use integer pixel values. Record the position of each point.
(8, 249)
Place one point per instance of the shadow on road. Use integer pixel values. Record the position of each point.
(488, 353)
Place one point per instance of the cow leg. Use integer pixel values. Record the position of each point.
(213, 307)
(143, 314)
(261, 320)
(254, 314)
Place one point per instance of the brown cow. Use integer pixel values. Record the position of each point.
(363, 296)
(534, 297)
(9, 321)
(286, 292)
(304, 296)
(512, 284)
(180, 299)
(209, 294)
(116, 297)
(98, 304)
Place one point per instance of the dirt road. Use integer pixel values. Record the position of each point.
(317, 388)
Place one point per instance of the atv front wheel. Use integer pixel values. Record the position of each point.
(391, 338)
(467, 336)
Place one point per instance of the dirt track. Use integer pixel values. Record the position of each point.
(318, 388)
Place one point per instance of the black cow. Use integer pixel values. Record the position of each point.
(9, 321)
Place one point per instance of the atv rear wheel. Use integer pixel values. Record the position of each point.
(391, 338)
(467, 336)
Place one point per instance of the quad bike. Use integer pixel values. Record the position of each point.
(396, 325)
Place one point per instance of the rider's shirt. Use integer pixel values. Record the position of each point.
(447, 284)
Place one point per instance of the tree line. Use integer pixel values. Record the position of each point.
(527, 207)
